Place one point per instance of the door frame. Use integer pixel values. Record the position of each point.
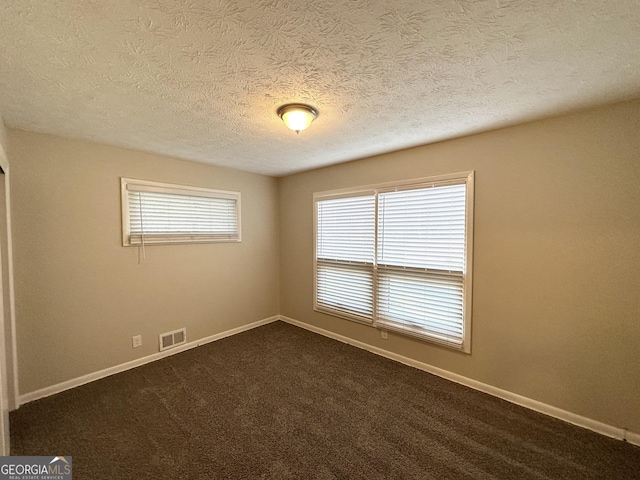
(9, 399)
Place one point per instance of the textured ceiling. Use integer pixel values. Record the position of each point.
(202, 79)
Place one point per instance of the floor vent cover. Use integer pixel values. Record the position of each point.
(173, 339)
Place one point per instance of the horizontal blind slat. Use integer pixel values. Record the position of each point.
(345, 288)
(423, 227)
(175, 214)
(345, 228)
(428, 302)
(345, 238)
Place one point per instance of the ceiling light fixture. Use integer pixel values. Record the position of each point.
(297, 116)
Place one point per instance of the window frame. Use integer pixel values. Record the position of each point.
(467, 178)
(174, 189)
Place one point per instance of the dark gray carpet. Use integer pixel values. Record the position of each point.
(279, 402)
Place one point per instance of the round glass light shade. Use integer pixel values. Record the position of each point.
(297, 116)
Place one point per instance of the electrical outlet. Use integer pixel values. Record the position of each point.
(137, 341)
(384, 334)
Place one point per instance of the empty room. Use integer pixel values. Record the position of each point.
(320, 240)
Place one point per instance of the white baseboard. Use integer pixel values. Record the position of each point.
(575, 419)
(76, 382)
(631, 437)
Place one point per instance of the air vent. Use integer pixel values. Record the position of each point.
(173, 339)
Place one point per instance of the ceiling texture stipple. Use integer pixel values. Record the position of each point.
(202, 79)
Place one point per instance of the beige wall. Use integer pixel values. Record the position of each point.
(556, 310)
(81, 295)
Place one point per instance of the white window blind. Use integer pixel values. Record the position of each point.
(156, 213)
(421, 256)
(399, 257)
(345, 252)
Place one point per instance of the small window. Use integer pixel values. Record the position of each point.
(160, 213)
(398, 257)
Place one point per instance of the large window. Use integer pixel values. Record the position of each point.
(161, 213)
(398, 257)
